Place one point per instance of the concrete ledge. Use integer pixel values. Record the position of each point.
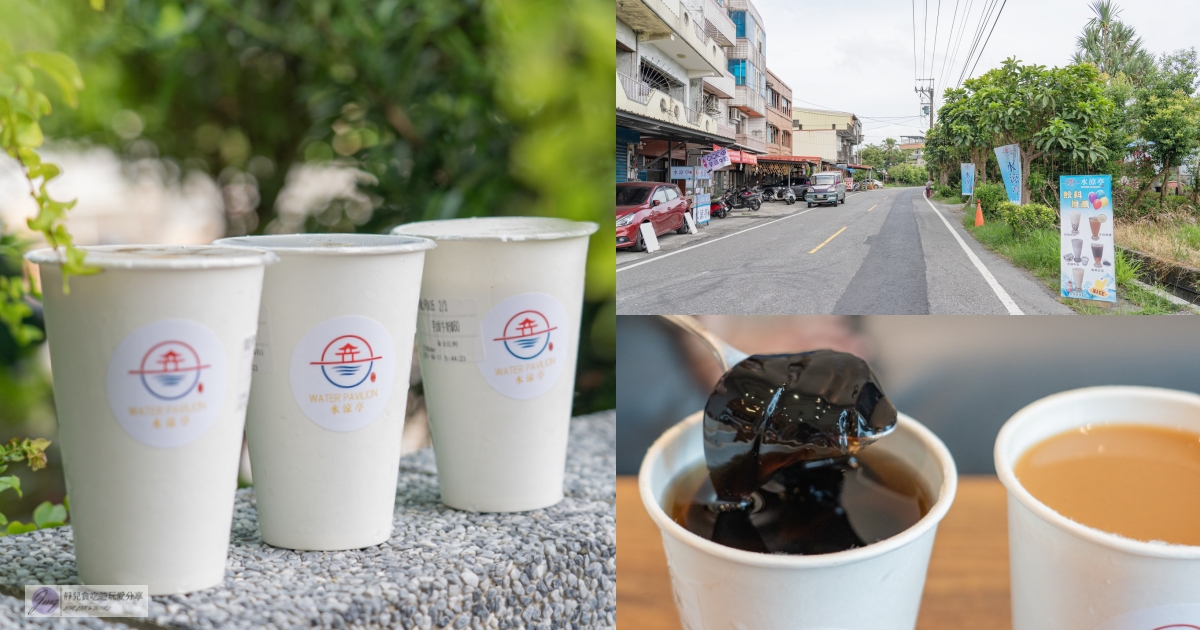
(1178, 279)
(551, 568)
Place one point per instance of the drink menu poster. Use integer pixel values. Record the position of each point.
(1088, 258)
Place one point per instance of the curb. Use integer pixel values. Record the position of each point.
(1182, 281)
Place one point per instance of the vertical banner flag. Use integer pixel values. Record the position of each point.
(715, 160)
(1089, 260)
(968, 178)
(1009, 157)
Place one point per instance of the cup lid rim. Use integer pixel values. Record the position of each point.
(931, 519)
(330, 244)
(1008, 478)
(498, 229)
(158, 256)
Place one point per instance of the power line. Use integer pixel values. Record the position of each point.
(936, 23)
(958, 42)
(914, 25)
(984, 17)
(989, 37)
(949, 41)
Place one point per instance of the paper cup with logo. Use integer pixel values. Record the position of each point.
(497, 339)
(876, 587)
(335, 344)
(1069, 576)
(151, 360)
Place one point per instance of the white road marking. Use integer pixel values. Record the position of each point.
(680, 251)
(1008, 302)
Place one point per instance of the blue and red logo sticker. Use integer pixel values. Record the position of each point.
(171, 370)
(527, 335)
(348, 361)
(526, 345)
(342, 371)
(166, 382)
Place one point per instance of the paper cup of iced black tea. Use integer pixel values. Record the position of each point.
(1104, 510)
(336, 329)
(151, 359)
(497, 338)
(874, 587)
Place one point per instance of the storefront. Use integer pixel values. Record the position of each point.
(785, 170)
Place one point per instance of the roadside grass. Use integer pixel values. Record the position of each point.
(1177, 241)
(1039, 253)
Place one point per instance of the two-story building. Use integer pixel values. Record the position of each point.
(830, 135)
(779, 116)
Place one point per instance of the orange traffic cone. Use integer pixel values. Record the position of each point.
(978, 214)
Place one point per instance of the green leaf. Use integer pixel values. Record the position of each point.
(62, 70)
(3, 520)
(47, 513)
(10, 481)
(17, 527)
(29, 132)
(97, 4)
(67, 502)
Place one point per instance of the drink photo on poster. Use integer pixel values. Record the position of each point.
(1087, 197)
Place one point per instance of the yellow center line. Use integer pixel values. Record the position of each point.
(828, 239)
(872, 207)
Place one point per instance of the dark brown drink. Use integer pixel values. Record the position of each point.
(856, 502)
(780, 437)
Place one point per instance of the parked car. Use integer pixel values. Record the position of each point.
(827, 187)
(657, 202)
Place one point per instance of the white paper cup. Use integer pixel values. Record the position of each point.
(325, 417)
(1069, 576)
(877, 587)
(497, 336)
(151, 361)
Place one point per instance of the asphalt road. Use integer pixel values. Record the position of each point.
(882, 252)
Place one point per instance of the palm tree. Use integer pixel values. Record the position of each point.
(1111, 45)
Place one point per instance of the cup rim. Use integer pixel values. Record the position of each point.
(678, 532)
(158, 256)
(498, 229)
(330, 244)
(1030, 413)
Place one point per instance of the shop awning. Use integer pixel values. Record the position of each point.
(651, 128)
(740, 157)
(801, 159)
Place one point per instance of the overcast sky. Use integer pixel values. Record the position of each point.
(858, 56)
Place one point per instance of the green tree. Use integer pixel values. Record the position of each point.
(960, 122)
(1059, 110)
(1111, 45)
(1168, 116)
(883, 155)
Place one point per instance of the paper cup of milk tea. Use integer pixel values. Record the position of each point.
(1104, 510)
(498, 334)
(335, 343)
(874, 587)
(151, 360)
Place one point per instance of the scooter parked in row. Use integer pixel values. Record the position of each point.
(718, 208)
(780, 193)
(744, 198)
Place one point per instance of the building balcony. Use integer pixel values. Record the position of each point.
(726, 129)
(753, 141)
(723, 86)
(717, 24)
(671, 27)
(749, 101)
(744, 5)
(745, 50)
(638, 97)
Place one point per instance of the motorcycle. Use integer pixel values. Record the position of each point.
(717, 207)
(780, 193)
(744, 198)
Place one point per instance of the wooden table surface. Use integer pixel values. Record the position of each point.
(967, 584)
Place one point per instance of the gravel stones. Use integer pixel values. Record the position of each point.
(546, 569)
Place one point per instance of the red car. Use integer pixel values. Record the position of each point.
(656, 202)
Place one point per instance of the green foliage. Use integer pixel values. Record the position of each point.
(909, 174)
(1027, 218)
(1166, 115)
(883, 155)
(33, 453)
(22, 107)
(1111, 45)
(990, 196)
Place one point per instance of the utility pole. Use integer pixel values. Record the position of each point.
(926, 97)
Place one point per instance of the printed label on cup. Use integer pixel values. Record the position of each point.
(264, 363)
(166, 382)
(1173, 617)
(448, 330)
(342, 372)
(525, 341)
